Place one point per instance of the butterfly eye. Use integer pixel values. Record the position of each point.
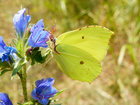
(52, 39)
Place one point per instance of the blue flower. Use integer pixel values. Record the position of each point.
(44, 90)
(5, 51)
(4, 99)
(21, 21)
(38, 36)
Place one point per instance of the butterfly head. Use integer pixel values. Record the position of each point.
(52, 39)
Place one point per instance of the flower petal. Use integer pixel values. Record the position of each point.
(49, 92)
(44, 90)
(5, 51)
(4, 98)
(33, 94)
(40, 23)
(47, 82)
(38, 82)
(2, 45)
(38, 36)
(44, 101)
(21, 21)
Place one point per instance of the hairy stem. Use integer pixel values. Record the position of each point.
(23, 82)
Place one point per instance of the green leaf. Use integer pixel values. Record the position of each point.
(37, 56)
(4, 64)
(132, 53)
(14, 42)
(15, 70)
(59, 92)
(51, 100)
(4, 67)
(19, 45)
(18, 66)
(121, 55)
(33, 62)
(4, 71)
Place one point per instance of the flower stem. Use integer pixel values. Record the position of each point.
(23, 82)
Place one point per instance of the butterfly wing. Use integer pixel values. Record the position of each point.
(92, 39)
(76, 63)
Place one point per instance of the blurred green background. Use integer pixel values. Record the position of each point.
(119, 82)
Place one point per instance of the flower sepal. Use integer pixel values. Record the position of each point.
(36, 55)
(18, 65)
(4, 67)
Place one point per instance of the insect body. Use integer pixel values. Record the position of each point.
(78, 53)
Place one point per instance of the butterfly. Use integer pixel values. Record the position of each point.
(78, 53)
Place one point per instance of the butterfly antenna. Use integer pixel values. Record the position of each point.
(53, 26)
(51, 36)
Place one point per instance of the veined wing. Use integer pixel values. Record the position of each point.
(76, 63)
(92, 39)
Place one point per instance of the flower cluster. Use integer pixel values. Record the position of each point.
(44, 90)
(5, 51)
(38, 38)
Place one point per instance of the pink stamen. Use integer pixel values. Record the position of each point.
(53, 26)
(29, 50)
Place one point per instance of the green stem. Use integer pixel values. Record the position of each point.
(23, 82)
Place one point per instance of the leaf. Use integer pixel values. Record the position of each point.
(18, 66)
(59, 92)
(15, 70)
(14, 42)
(37, 56)
(4, 67)
(121, 55)
(4, 71)
(132, 53)
(4, 64)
